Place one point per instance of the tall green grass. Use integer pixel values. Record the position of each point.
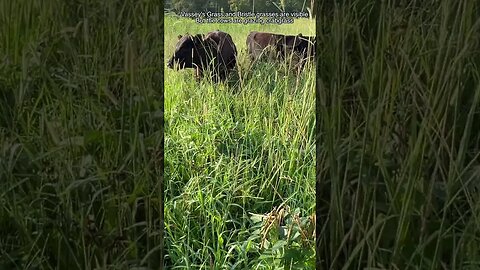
(80, 134)
(235, 152)
(398, 147)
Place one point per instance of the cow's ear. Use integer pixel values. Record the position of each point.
(300, 35)
(179, 36)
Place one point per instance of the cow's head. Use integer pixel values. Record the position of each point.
(185, 51)
(286, 44)
(305, 45)
(309, 45)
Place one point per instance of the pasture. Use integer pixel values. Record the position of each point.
(235, 152)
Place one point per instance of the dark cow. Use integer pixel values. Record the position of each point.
(213, 52)
(305, 45)
(302, 46)
(276, 46)
(226, 48)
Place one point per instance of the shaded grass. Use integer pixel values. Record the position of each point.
(398, 157)
(80, 90)
(237, 149)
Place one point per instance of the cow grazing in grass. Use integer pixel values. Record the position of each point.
(214, 52)
(280, 47)
(302, 46)
(262, 45)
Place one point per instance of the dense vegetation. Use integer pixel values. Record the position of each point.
(81, 108)
(239, 160)
(398, 150)
(80, 134)
(81, 111)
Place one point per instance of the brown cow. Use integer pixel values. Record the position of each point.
(213, 52)
(277, 46)
(262, 44)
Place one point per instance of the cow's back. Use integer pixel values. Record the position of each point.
(227, 50)
(257, 42)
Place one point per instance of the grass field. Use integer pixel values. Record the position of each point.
(398, 165)
(235, 151)
(81, 110)
(398, 153)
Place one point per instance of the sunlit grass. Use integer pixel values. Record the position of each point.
(237, 149)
